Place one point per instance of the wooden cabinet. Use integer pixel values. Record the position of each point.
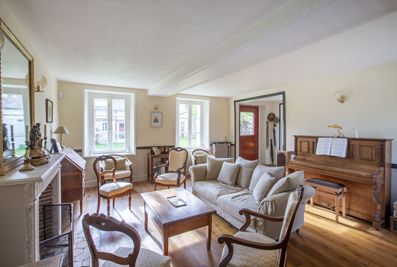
(72, 177)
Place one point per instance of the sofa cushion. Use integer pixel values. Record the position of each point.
(228, 173)
(233, 203)
(263, 187)
(276, 172)
(288, 183)
(211, 190)
(214, 166)
(245, 173)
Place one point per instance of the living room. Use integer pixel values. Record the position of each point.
(257, 85)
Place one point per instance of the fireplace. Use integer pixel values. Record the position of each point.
(21, 194)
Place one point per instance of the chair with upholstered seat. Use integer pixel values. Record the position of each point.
(254, 249)
(113, 189)
(123, 256)
(123, 168)
(174, 169)
(199, 156)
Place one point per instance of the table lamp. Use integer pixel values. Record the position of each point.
(61, 130)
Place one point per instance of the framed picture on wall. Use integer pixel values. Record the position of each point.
(156, 119)
(49, 111)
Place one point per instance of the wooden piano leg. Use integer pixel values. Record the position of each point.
(337, 208)
(344, 205)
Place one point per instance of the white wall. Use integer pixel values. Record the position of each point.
(371, 104)
(71, 115)
(40, 68)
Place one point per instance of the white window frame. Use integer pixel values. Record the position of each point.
(204, 120)
(89, 122)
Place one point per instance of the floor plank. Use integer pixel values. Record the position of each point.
(321, 241)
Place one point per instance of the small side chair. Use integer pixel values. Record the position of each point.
(122, 256)
(174, 169)
(113, 189)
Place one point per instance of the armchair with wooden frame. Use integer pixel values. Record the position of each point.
(199, 156)
(174, 169)
(255, 249)
(113, 189)
(123, 256)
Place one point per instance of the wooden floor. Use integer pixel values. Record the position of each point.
(321, 242)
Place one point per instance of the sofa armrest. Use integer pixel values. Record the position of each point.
(308, 193)
(198, 172)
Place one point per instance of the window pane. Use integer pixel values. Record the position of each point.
(101, 124)
(183, 125)
(246, 123)
(13, 114)
(118, 123)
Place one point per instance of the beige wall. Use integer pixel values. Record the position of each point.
(71, 115)
(371, 106)
(40, 68)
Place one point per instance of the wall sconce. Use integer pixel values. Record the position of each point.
(41, 84)
(1, 40)
(340, 97)
(156, 107)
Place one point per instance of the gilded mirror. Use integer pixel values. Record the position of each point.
(16, 92)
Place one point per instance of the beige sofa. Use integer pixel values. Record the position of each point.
(228, 200)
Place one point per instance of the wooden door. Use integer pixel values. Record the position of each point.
(248, 132)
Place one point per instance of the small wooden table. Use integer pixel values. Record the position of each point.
(171, 220)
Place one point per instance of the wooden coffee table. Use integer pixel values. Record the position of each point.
(171, 220)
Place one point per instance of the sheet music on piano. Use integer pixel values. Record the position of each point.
(332, 147)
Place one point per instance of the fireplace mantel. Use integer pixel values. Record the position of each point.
(19, 206)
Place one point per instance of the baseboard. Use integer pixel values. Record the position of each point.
(137, 178)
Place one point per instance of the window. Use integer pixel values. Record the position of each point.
(109, 122)
(192, 129)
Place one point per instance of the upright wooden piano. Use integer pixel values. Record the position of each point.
(366, 172)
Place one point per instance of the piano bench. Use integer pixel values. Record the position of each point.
(324, 187)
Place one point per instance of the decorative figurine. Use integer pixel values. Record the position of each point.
(338, 128)
(38, 154)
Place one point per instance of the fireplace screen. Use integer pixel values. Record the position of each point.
(56, 232)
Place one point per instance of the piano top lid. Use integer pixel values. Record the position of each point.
(350, 138)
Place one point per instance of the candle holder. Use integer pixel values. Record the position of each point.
(26, 163)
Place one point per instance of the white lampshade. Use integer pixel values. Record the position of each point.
(61, 130)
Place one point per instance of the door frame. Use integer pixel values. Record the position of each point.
(236, 120)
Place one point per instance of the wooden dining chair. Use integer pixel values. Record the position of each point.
(124, 256)
(113, 189)
(248, 249)
(174, 174)
(123, 168)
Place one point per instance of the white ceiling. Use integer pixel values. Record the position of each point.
(219, 48)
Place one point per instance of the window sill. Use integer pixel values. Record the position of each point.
(107, 153)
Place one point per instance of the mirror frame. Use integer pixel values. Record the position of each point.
(13, 162)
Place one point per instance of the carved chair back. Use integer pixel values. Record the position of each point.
(198, 153)
(107, 223)
(98, 171)
(177, 159)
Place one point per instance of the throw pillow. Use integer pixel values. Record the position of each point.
(120, 164)
(276, 172)
(228, 173)
(245, 173)
(214, 166)
(288, 183)
(263, 187)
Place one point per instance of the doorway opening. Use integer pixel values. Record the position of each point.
(259, 125)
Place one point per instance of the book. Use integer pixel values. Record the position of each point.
(332, 147)
(176, 201)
